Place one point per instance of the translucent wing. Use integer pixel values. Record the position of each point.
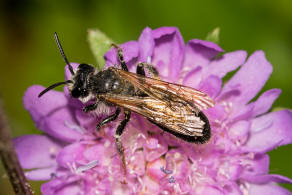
(178, 117)
(165, 90)
(175, 107)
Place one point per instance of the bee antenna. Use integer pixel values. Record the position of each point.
(62, 53)
(54, 86)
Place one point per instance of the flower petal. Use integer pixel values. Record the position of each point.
(211, 86)
(199, 53)
(71, 155)
(40, 174)
(232, 188)
(249, 79)
(102, 151)
(154, 147)
(241, 112)
(151, 186)
(72, 189)
(265, 101)
(62, 186)
(177, 162)
(216, 114)
(239, 129)
(137, 163)
(86, 120)
(262, 179)
(256, 165)
(154, 169)
(168, 52)
(192, 78)
(225, 63)
(51, 113)
(267, 189)
(270, 131)
(36, 151)
(146, 45)
(212, 190)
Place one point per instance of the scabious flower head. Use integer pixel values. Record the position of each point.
(75, 159)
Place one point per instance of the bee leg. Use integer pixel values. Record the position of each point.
(121, 57)
(140, 69)
(118, 134)
(108, 119)
(90, 107)
(153, 73)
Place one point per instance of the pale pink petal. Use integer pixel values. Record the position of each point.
(270, 131)
(71, 155)
(51, 113)
(199, 53)
(42, 174)
(249, 80)
(239, 129)
(60, 185)
(267, 189)
(211, 86)
(37, 151)
(146, 45)
(265, 101)
(225, 63)
(263, 179)
(256, 165)
(193, 77)
(212, 190)
(154, 147)
(168, 52)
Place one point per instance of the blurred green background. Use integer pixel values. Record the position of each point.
(29, 54)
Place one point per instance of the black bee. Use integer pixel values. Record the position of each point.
(172, 107)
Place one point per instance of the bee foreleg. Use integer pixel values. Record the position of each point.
(120, 55)
(118, 134)
(90, 107)
(108, 119)
(153, 73)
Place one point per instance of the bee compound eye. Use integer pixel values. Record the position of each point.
(75, 93)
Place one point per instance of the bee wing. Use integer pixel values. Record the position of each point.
(176, 116)
(165, 90)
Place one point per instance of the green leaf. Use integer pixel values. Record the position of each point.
(99, 44)
(278, 109)
(214, 35)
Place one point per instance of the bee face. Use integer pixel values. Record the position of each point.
(80, 87)
(78, 92)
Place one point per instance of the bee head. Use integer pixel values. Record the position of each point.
(80, 86)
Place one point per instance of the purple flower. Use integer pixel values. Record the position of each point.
(78, 160)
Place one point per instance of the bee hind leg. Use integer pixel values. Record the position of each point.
(118, 134)
(120, 56)
(108, 119)
(153, 73)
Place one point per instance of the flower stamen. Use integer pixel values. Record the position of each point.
(86, 167)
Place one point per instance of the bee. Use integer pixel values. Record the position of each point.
(174, 108)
